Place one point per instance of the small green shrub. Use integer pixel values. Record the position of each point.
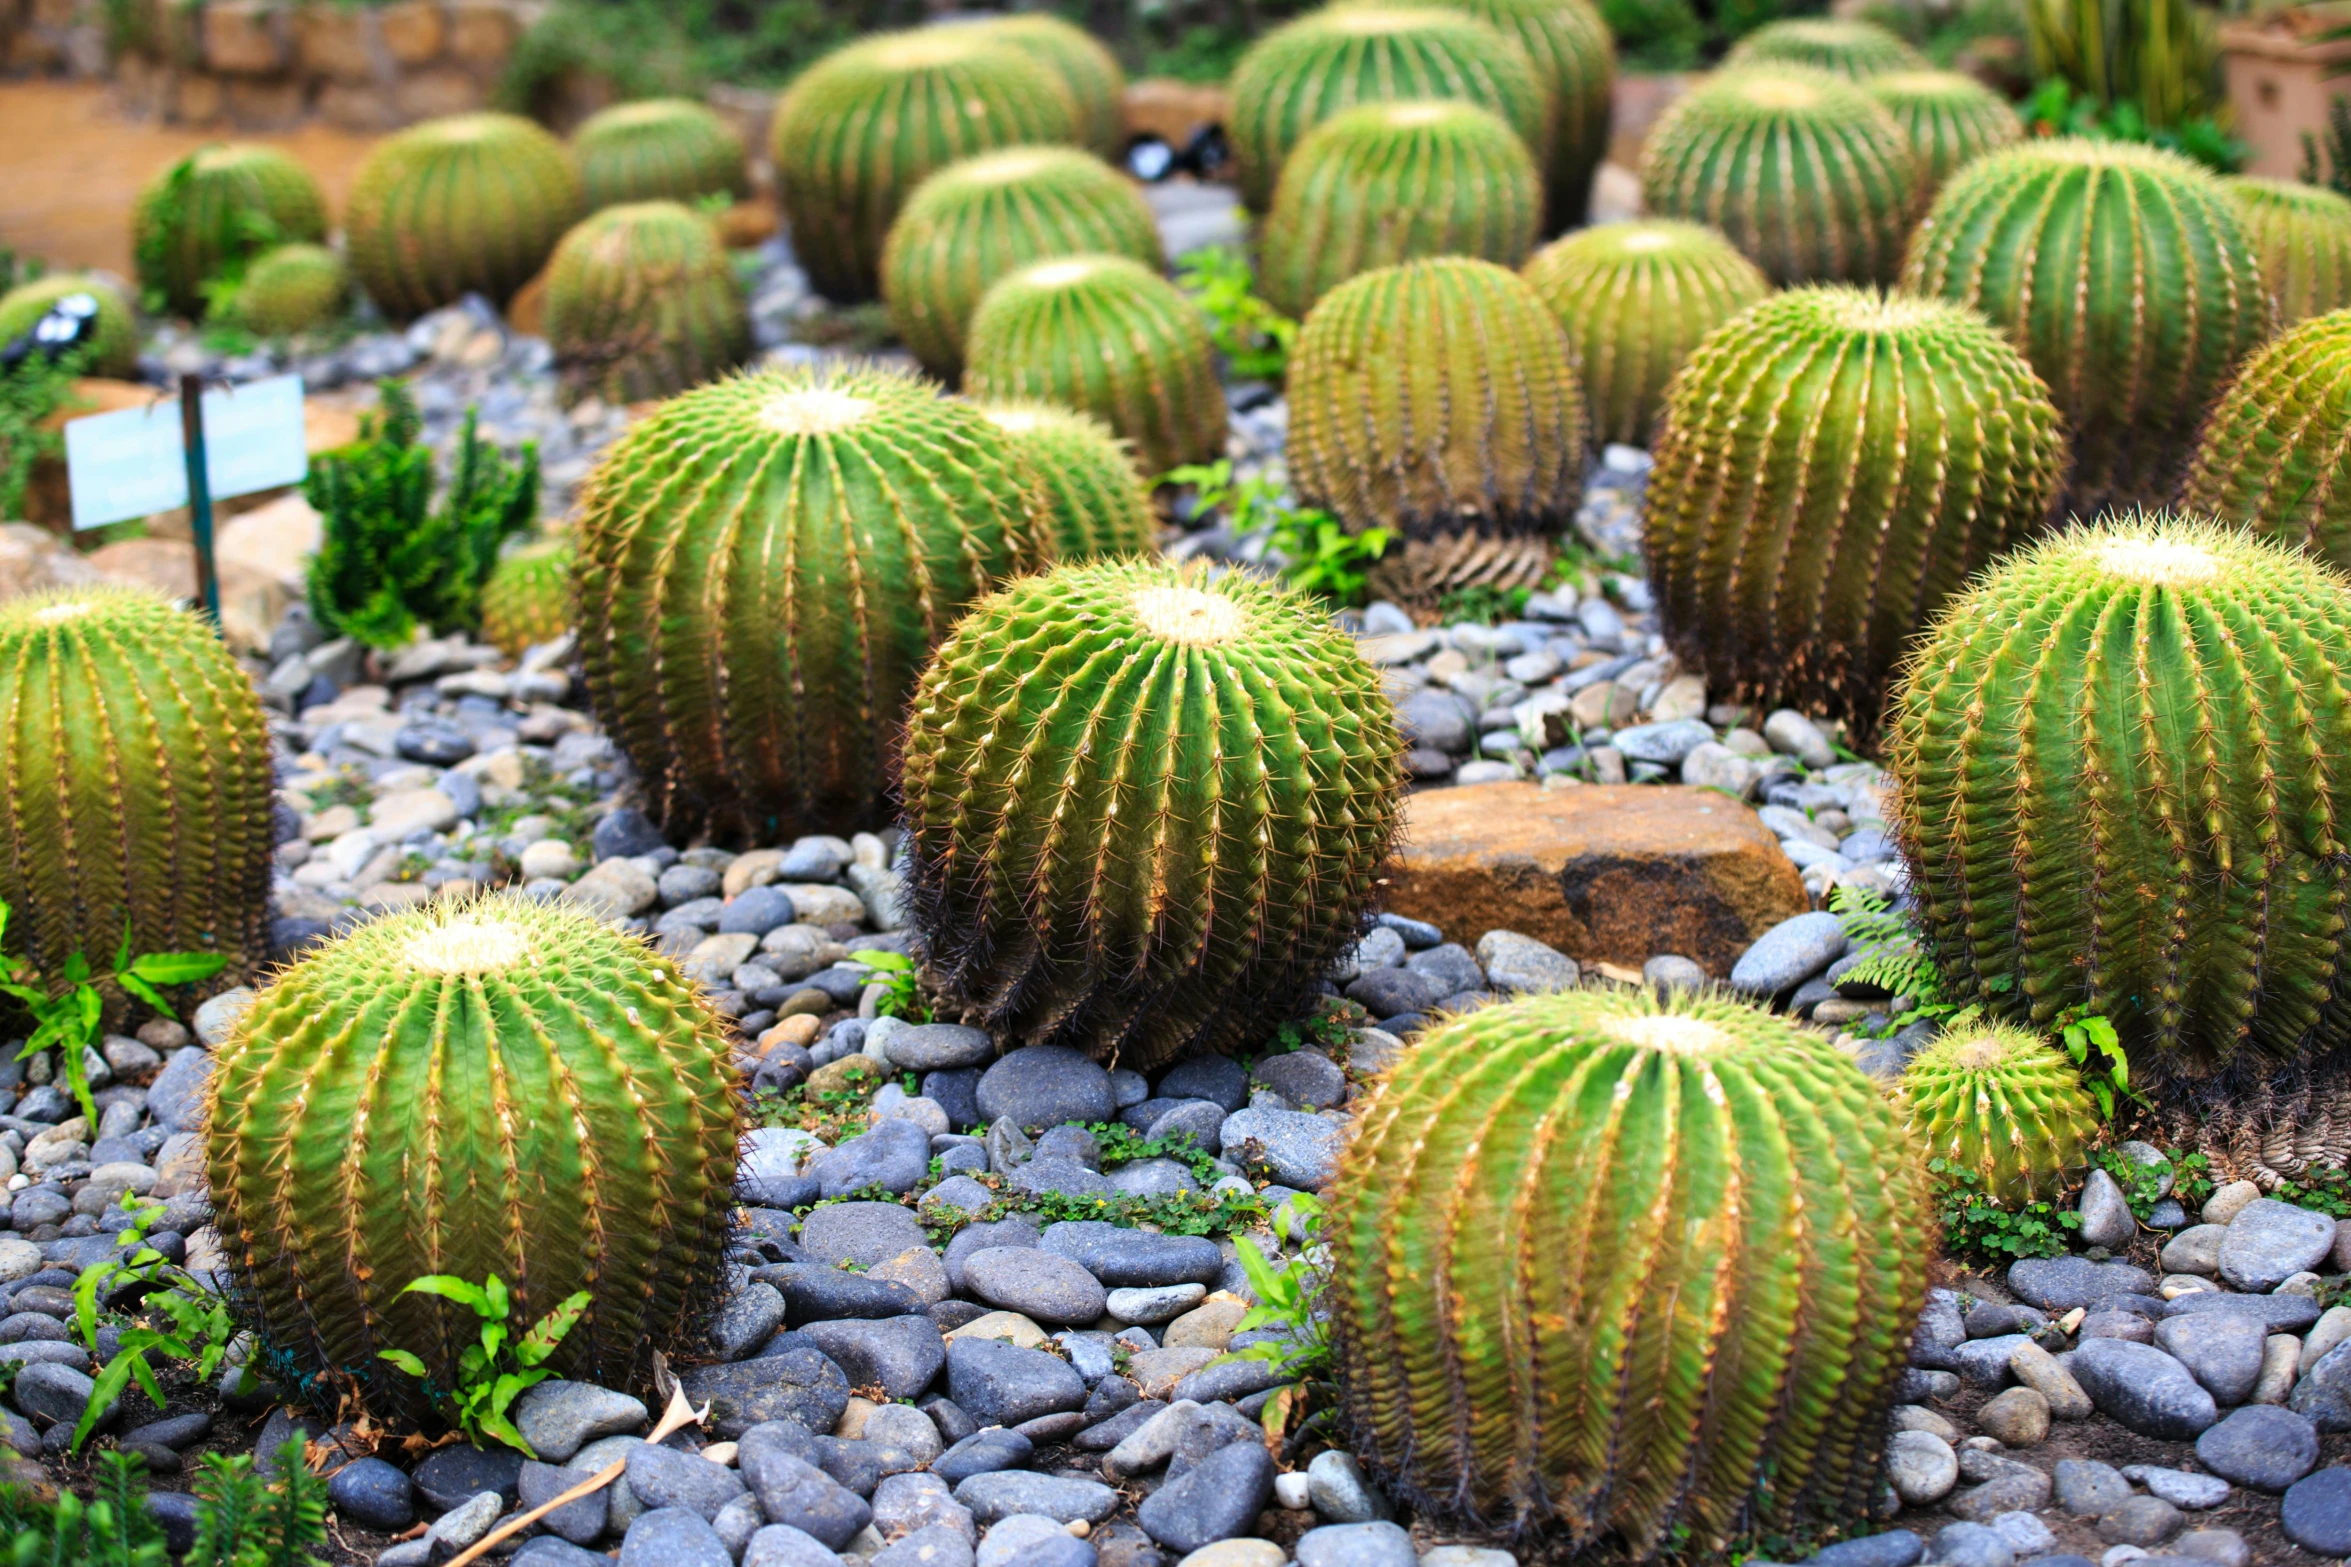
(1254, 338)
(497, 1368)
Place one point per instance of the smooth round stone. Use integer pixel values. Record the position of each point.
(673, 1537)
(2269, 1242)
(1356, 1545)
(1046, 1085)
(1971, 1545)
(2018, 1418)
(1218, 1079)
(1151, 1306)
(2260, 1446)
(2317, 1512)
(1788, 954)
(374, 1495)
(1922, 1467)
(1005, 1493)
(1670, 971)
(2143, 1521)
(2178, 1486)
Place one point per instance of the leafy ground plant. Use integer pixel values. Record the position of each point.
(901, 990)
(29, 393)
(242, 1520)
(1288, 1305)
(1254, 338)
(1976, 1228)
(1317, 554)
(496, 1369)
(184, 1320)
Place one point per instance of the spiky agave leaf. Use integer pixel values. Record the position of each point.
(642, 302)
(1096, 503)
(2302, 234)
(1950, 118)
(658, 149)
(1606, 1265)
(2003, 1104)
(1847, 47)
(2276, 454)
(231, 201)
(468, 203)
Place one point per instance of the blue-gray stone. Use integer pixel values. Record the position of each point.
(1218, 1498)
(2278, 1313)
(1046, 1085)
(1198, 1120)
(998, 1383)
(1308, 1079)
(957, 1092)
(895, 1156)
(983, 1452)
(664, 1477)
(1124, 1258)
(1015, 1230)
(1971, 1545)
(1059, 1176)
(1378, 1544)
(456, 1474)
(1788, 954)
(1043, 1285)
(1391, 992)
(54, 1393)
(813, 1293)
(1665, 744)
(747, 1320)
(2062, 1283)
(582, 1519)
(1416, 933)
(1226, 1380)
(862, 1233)
(2268, 1242)
(938, 1546)
(1153, 1178)
(934, 1047)
(1218, 1079)
(962, 1192)
(374, 1495)
(755, 911)
(2317, 1512)
(794, 1492)
(1002, 1493)
(1296, 1149)
(2261, 1446)
(2144, 1388)
(900, 1354)
(1894, 1548)
(673, 1537)
(798, 1384)
(175, 1100)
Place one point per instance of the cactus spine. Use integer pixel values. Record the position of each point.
(1806, 174)
(294, 288)
(2122, 273)
(1950, 119)
(2004, 1105)
(1635, 299)
(1606, 1265)
(976, 221)
(140, 791)
(1145, 807)
(473, 202)
(215, 209)
(1095, 501)
(764, 565)
(642, 302)
(1833, 466)
(1301, 74)
(527, 599)
(2120, 762)
(1084, 65)
(1853, 49)
(1384, 183)
(2276, 454)
(1109, 337)
(494, 1087)
(114, 351)
(2303, 235)
(659, 149)
(868, 123)
(1433, 398)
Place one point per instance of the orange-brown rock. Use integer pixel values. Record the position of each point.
(1607, 874)
(1171, 110)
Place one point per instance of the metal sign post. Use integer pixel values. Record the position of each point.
(199, 493)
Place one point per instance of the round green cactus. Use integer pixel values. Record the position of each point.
(1853, 49)
(214, 210)
(977, 221)
(527, 599)
(2302, 234)
(294, 288)
(2120, 770)
(1109, 337)
(1145, 807)
(1095, 501)
(1635, 299)
(2003, 1105)
(764, 565)
(114, 351)
(1302, 73)
(1950, 119)
(499, 1087)
(1833, 466)
(140, 790)
(1806, 174)
(1384, 183)
(1085, 66)
(2276, 454)
(642, 302)
(2123, 274)
(471, 203)
(1433, 398)
(658, 149)
(868, 123)
(1602, 1265)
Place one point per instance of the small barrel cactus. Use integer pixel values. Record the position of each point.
(215, 209)
(865, 125)
(496, 1087)
(140, 790)
(1605, 1265)
(527, 598)
(2276, 454)
(1636, 298)
(1850, 48)
(294, 288)
(112, 351)
(2123, 274)
(1301, 74)
(2119, 770)
(1095, 501)
(469, 203)
(1950, 118)
(1433, 398)
(658, 149)
(763, 566)
(2002, 1105)
(1086, 67)
(642, 302)
(1833, 466)
(1385, 183)
(1145, 807)
(977, 221)
(2303, 235)
(1106, 336)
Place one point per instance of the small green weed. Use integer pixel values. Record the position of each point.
(1255, 338)
(1976, 1228)
(496, 1369)
(901, 995)
(1318, 555)
(187, 1320)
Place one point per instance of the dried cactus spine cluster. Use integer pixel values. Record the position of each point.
(140, 791)
(1834, 465)
(1635, 299)
(494, 1087)
(1850, 48)
(527, 599)
(1807, 174)
(294, 288)
(2276, 454)
(2302, 234)
(473, 202)
(1384, 183)
(1146, 807)
(1951, 119)
(1095, 501)
(112, 351)
(977, 221)
(2123, 274)
(1606, 1265)
(658, 149)
(764, 565)
(642, 302)
(215, 209)
(2003, 1105)
(2119, 770)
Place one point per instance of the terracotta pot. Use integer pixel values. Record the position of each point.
(2281, 78)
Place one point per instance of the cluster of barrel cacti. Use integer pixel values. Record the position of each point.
(213, 211)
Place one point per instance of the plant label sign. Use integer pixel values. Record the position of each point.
(133, 463)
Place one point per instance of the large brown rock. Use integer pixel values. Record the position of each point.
(1607, 874)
